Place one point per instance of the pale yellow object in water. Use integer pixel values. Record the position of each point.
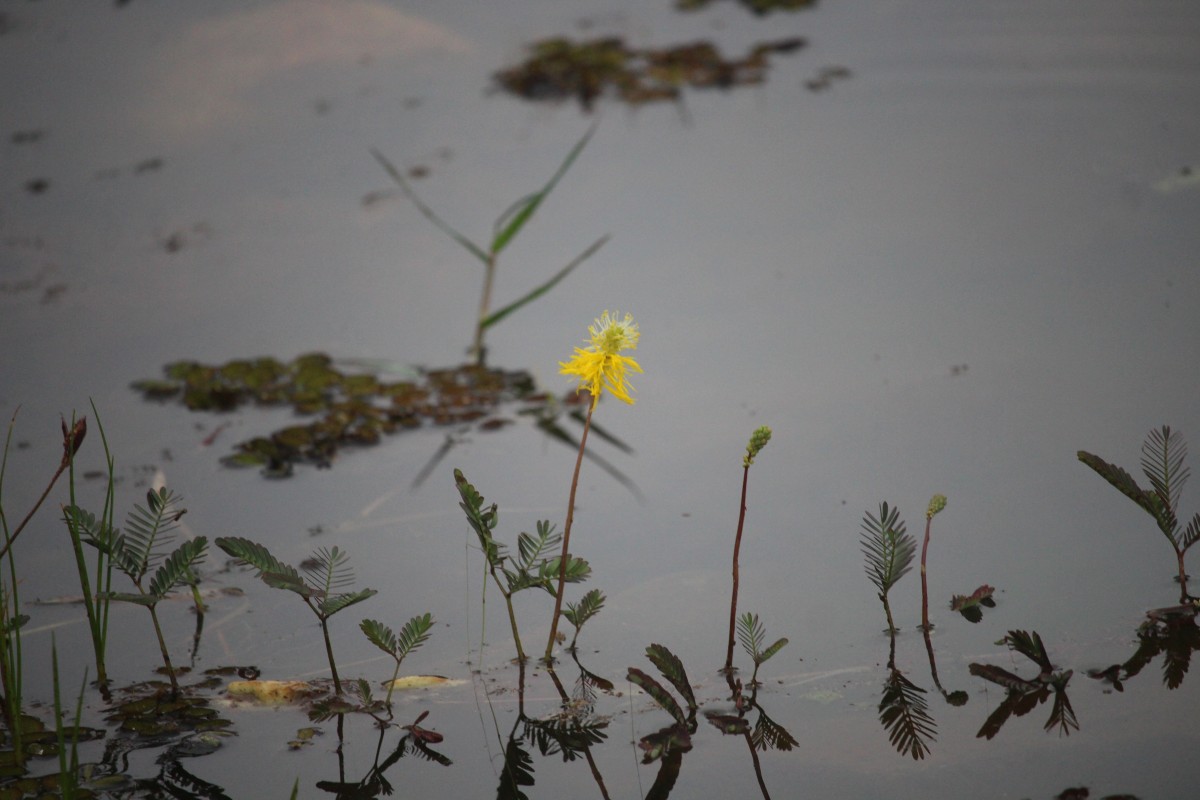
(420, 682)
(273, 691)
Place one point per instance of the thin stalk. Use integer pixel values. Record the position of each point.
(562, 566)
(925, 626)
(162, 646)
(512, 619)
(71, 440)
(337, 683)
(485, 303)
(737, 546)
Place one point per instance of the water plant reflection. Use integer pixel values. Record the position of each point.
(1025, 695)
(1171, 632)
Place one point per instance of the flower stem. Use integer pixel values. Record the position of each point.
(737, 547)
(562, 564)
(924, 585)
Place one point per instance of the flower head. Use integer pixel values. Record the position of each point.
(601, 364)
(936, 504)
(758, 440)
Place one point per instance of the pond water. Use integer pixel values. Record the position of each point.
(939, 249)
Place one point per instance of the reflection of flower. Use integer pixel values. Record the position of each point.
(602, 364)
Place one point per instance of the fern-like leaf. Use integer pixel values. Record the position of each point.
(765, 655)
(178, 568)
(1126, 485)
(657, 692)
(379, 635)
(329, 569)
(531, 547)
(578, 569)
(255, 555)
(1163, 453)
(1191, 533)
(672, 669)
(588, 606)
(888, 548)
(770, 735)
(481, 521)
(414, 634)
(148, 531)
(751, 634)
(331, 605)
(1030, 645)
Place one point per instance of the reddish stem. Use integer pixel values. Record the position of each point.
(737, 547)
(562, 566)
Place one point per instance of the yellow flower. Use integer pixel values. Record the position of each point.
(601, 364)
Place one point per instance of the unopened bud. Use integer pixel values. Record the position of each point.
(936, 504)
(758, 440)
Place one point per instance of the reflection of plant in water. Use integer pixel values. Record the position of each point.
(758, 440)
(905, 715)
(1163, 453)
(671, 742)
(328, 571)
(598, 367)
(955, 698)
(507, 226)
(936, 504)
(141, 549)
(1025, 695)
(889, 552)
(415, 742)
(759, 7)
(752, 634)
(531, 568)
(1170, 631)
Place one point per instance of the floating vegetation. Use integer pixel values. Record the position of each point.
(559, 69)
(970, 605)
(759, 7)
(348, 408)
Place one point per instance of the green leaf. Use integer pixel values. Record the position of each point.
(751, 634)
(148, 531)
(329, 569)
(470, 246)
(531, 547)
(177, 569)
(254, 554)
(1191, 534)
(672, 669)
(414, 634)
(496, 316)
(1124, 483)
(331, 605)
(1163, 453)
(657, 692)
(578, 569)
(512, 220)
(888, 548)
(765, 655)
(481, 521)
(588, 606)
(379, 635)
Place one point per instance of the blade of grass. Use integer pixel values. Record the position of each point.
(426, 210)
(496, 316)
(510, 222)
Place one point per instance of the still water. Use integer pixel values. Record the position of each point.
(946, 269)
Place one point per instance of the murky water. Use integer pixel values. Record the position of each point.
(947, 271)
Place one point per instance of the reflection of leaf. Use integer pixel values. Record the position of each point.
(672, 669)
(905, 716)
(1062, 716)
(656, 691)
(518, 771)
(1030, 645)
(728, 724)
(672, 739)
(565, 735)
(770, 735)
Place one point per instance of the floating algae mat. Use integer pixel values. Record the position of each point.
(346, 408)
(559, 69)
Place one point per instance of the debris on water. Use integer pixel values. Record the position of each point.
(759, 7)
(560, 69)
(825, 77)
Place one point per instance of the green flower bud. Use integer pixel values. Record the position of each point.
(936, 504)
(758, 440)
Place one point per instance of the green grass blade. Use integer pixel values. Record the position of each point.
(511, 221)
(496, 316)
(391, 170)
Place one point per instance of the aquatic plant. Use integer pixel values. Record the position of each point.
(327, 571)
(597, 367)
(888, 550)
(506, 228)
(752, 634)
(758, 440)
(140, 549)
(1163, 454)
(759, 7)
(578, 613)
(530, 568)
(970, 605)
(414, 634)
(936, 504)
(904, 714)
